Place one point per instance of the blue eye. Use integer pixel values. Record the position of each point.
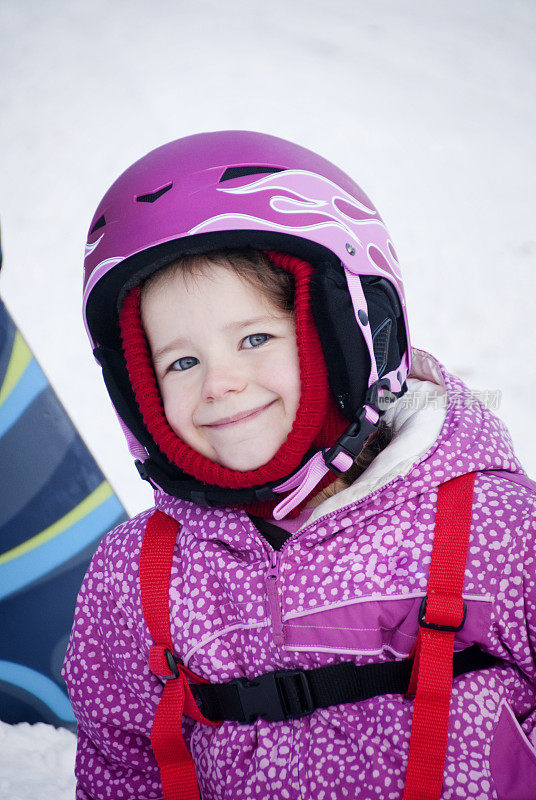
(182, 364)
(255, 340)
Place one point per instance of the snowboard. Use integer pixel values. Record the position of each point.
(55, 506)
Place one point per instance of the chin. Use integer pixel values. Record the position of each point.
(247, 461)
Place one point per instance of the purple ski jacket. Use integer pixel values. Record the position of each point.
(349, 585)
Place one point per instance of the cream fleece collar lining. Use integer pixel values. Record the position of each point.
(416, 420)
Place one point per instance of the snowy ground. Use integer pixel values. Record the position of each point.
(427, 104)
(36, 762)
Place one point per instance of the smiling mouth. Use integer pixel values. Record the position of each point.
(242, 417)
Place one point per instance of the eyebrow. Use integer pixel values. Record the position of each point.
(253, 321)
(179, 342)
(159, 354)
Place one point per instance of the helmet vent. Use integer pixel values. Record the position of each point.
(150, 198)
(100, 223)
(380, 341)
(239, 172)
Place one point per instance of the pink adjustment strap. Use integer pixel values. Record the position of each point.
(402, 371)
(343, 462)
(136, 449)
(303, 482)
(371, 415)
(360, 304)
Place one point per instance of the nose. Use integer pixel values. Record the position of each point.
(222, 377)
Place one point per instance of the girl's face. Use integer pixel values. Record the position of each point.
(226, 363)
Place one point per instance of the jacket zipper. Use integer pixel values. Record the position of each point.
(272, 576)
(272, 590)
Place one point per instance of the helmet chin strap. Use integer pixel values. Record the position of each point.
(338, 458)
(342, 455)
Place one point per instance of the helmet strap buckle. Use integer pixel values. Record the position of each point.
(350, 443)
(342, 455)
(379, 395)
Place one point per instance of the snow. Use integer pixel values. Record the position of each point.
(36, 762)
(426, 104)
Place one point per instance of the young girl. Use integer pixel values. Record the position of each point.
(339, 525)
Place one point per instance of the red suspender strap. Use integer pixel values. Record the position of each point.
(177, 769)
(442, 613)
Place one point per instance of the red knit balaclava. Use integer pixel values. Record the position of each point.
(318, 420)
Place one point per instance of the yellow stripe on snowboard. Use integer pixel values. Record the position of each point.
(20, 358)
(88, 504)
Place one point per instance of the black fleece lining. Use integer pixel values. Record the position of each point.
(274, 535)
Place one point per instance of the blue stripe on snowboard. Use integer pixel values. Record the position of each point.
(40, 686)
(31, 383)
(32, 565)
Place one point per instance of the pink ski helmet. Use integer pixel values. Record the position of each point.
(239, 189)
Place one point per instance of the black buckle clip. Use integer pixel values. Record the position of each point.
(356, 434)
(380, 402)
(351, 441)
(435, 626)
(275, 696)
(172, 664)
(140, 466)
